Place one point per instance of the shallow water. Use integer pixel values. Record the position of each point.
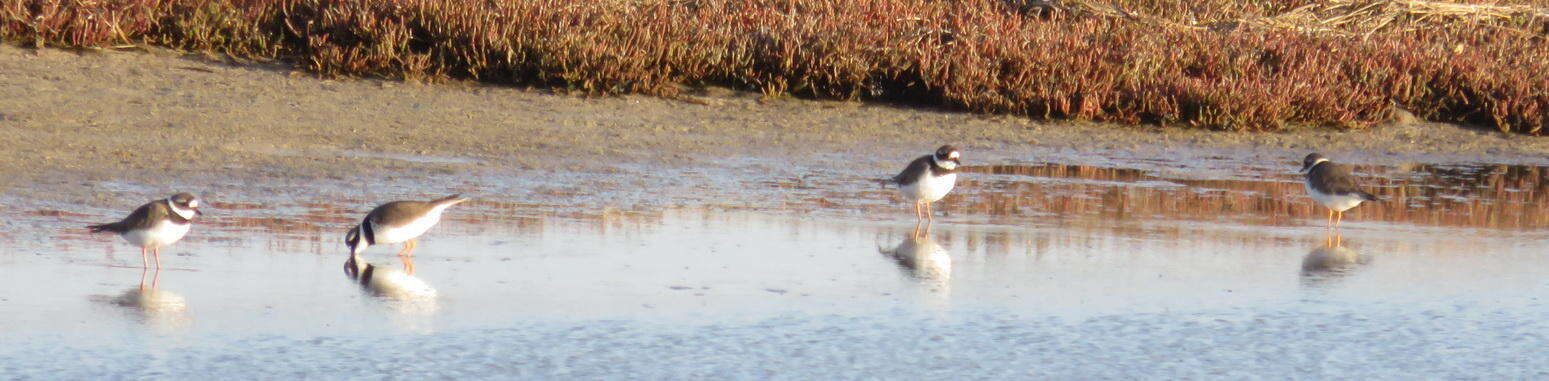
(1142, 268)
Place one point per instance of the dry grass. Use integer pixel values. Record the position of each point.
(1224, 64)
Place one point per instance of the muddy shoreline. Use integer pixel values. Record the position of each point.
(82, 127)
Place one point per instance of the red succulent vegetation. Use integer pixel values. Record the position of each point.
(1224, 64)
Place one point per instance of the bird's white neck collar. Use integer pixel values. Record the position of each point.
(948, 164)
(360, 240)
(1308, 168)
(187, 214)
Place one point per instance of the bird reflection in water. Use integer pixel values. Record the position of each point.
(922, 259)
(403, 292)
(1330, 262)
(153, 305)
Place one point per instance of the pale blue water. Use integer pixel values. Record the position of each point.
(781, 289)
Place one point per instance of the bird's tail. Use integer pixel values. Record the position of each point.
(1368, 196)
(104, 228)
(450, 200)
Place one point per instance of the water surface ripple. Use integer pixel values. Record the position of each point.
(1031, 270)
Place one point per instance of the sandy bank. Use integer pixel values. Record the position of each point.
(148, 118)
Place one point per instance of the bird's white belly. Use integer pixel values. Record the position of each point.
(929, 188)
(408, 231)
(1337, 203)
(162, 234)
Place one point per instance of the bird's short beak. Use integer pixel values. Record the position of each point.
(198, 213)
(1304, 169)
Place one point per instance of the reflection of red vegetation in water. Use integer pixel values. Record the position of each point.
(320, 227)
(233, 205)
(55, 213)
(1504, 197)
(1501, 197)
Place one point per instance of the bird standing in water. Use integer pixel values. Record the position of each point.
(927, 179)
(1332, 186)
(155, 225)
(395, 222)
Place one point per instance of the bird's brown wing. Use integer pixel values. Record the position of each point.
(1339, 181)
(143, 217)
(398, 213)
(916, 168)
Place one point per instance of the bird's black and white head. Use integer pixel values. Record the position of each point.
(185, 205)
(947, 157)
(356, 242)
(354, 266)
(1312, 160)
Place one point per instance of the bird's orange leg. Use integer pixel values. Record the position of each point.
(930, 218)
(1330, 219)
(407, 255)
(158, 259)
(143, 263)
(408, 249)
(1340, 217)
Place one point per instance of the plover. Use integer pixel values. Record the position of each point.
(395, 222)
(156, 224)
(928, 178)
(1332, 186)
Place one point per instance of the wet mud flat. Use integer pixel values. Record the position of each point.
(1135, 267)
(142, 121)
